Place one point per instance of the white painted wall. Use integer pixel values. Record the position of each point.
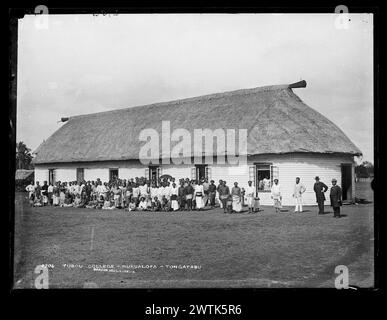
(177, 171)
(65, 174)
(289, 166)
(41, 175)
(91, 174)
(306, 167)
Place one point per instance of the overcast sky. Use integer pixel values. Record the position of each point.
(83, 64)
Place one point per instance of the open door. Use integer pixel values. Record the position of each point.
(346, 181)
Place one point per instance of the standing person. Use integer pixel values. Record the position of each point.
(224, 193)
(189, 190)
(62, 194)
(38, 190)
(217, 190)
(181, 196)
(199, 193)
(45, 193)
(243, 192)
(250, 194)
(135, 193)
(30, 189)
(276, 196)
(299, 189)
(335, 197)
(205, 191)
(212, 193)
(320, 188)
(174, 197)
(236, 193)
(50, 191)
(55, 194)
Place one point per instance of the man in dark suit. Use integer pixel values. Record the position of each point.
(320, 188)
(335, 197)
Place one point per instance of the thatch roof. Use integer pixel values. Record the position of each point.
(276, 119)
(22, 174)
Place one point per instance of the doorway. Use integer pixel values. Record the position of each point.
(113, 174)
(346, 181)
(201, 172)
(154, 174)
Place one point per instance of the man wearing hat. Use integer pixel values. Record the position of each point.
(335, 197)
(320, 188)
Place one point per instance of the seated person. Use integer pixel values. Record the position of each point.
(77, 201)
(68, 202)
(92, 204)
(132, 205)
(107, 205)
(165, 206)
(100, 202)
(156, 204)
(142, 205)
(38, 202)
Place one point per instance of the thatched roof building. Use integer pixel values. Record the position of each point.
(277, 120)
(285, 139)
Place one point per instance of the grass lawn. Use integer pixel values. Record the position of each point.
(240, 250)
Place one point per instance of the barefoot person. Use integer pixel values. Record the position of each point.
(250, 194)
(299, 189)
(236, 198)
(276, 196)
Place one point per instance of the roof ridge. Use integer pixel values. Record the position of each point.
(195, 98)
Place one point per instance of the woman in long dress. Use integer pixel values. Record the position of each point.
(236, 198)
(199, 192)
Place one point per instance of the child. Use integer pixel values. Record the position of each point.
(256, 204)
(77, 201)
(156, 204)
(92, 203)
(100, 201)
(143, 204)
(50, 191)
(68, 200)
(165, 204)
(107, 205)
(229, 204)
(132, 205)
(38, 201)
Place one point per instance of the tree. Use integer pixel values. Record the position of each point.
(23, 156)
(364, 170)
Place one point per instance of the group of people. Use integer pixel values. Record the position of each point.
(167, 194)
(140, 194)
(319, 188)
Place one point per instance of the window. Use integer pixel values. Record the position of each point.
(201, 172)
(51, 176)
(265, 175)
(113, 174)
(153, 174)
(80, 174)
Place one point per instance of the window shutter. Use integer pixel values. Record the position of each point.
(208, 173)
(193, 173)
(252, 174)
(147, 173)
